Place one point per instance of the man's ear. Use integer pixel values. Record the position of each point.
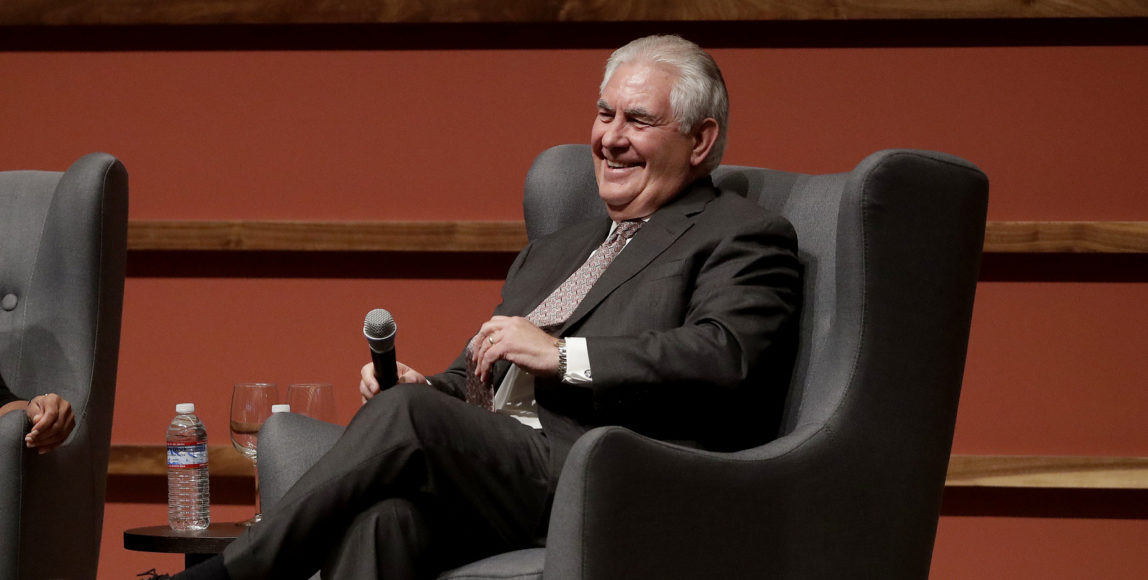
(705, 135)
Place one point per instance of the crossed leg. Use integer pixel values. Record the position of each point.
(442, 481)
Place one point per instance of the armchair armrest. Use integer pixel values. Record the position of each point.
(289, 444)
(13, 426)
(628, 506)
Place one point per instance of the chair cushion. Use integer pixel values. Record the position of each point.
(517, 565)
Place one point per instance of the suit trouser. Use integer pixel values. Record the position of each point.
(437, 481)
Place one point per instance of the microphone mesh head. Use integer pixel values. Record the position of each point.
(379, 324)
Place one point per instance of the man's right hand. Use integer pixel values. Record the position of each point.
(369, 387)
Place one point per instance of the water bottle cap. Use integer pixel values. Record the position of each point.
(280, 408)
(185, 408)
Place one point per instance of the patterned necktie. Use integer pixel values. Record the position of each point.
(560, 304)
(558, 307)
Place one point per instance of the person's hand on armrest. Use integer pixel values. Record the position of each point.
(369, 386)
(52, 421)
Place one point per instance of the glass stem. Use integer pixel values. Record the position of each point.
(258, 506)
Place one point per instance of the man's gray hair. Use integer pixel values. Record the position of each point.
(699, 91)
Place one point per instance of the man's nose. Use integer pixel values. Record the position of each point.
(614, 135)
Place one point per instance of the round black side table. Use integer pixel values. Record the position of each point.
(196, 546)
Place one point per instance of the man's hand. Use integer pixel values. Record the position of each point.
(369, 387)
(52, 422)
(516, 340)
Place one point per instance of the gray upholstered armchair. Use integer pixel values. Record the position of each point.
(63, 237)
(852, 486)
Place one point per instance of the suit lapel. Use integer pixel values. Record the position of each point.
(589, 236)
(664, 227)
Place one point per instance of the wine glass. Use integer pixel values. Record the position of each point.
(250, 407)
(314, 400)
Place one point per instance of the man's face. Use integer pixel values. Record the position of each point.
(641, 160)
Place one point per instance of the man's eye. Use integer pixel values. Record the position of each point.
(605, 115)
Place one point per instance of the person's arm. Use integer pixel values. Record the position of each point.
(740, 312)
(452, 381)
(10, 406)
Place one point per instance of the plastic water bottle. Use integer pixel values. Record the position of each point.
(188, 487)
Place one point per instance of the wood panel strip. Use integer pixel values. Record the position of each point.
(133, 12)
(394, 236)
(510, 236)
(1048, 472)
(1012, 471)
(1066, 237)
(222, 461)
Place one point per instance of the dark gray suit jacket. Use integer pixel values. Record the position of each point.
(691, 331)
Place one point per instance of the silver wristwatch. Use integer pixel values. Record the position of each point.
(561, 344)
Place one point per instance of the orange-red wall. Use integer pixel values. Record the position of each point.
(1056, 366)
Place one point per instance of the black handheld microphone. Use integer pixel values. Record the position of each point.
(379, 328)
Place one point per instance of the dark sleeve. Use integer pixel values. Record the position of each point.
(452, 381)
(6, 396)
(741, 299)
(719, 374)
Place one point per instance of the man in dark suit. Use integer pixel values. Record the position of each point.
(687, 335)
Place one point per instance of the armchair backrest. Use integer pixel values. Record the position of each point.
(890, 252)
(63, 240)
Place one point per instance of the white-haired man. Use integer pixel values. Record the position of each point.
(668, 318)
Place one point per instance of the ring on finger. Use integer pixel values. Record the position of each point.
(490, 339)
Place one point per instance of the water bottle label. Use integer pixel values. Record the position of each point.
(187, 455)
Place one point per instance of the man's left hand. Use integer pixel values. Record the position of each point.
(516, 340)
(52, 422)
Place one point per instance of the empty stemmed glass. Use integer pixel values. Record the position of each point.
(315, 400)
(250, 407)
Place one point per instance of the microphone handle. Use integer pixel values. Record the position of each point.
(386, 372)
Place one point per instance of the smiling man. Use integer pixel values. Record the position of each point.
(675, 317)
(644, 155)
